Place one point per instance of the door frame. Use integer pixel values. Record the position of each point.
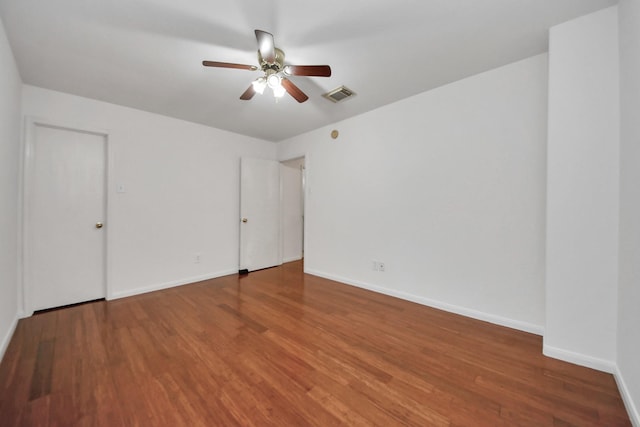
(25, 189)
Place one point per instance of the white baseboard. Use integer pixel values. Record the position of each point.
(467, 312)
(7, 338)
(295, 258)
(166, 285)
(579, 359)
(632, 410)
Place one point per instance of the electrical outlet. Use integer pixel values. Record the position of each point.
(196, 258)
(377, 266)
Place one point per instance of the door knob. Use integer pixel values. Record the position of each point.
(99, 225)
(244, 220)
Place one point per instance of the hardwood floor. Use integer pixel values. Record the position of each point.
(281, 348)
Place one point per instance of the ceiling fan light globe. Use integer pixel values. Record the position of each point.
(259, 85)
(278, 91)
(274, 81)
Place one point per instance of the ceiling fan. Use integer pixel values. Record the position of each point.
(271, 60)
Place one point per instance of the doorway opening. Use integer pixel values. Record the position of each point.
(293, 179)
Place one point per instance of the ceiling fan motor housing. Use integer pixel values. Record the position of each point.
(277, 65)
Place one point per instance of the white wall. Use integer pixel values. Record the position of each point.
(182, 190)
(582, 191)
(292, 209)
(10, 86)
(629, 291)
(447, 188)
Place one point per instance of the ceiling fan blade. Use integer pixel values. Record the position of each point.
(266, 47)
(308, 70)
(294, 90)
(248, 94)
(229, 65)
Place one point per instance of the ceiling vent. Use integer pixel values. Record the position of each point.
(339, 94)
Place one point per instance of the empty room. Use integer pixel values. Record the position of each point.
(280, 213)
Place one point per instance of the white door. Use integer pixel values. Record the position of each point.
(260, 214)
(65, 209)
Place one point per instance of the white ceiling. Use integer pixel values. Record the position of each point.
(147, 54)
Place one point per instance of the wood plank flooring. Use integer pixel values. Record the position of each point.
(280, 348)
